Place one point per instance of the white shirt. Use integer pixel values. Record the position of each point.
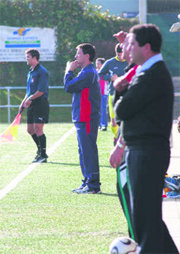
(150, 62)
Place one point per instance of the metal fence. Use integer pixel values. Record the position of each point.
(9, 106)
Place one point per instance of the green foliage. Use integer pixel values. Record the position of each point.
(76, 21)
(171, 45)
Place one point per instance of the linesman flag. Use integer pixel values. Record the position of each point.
(11, 133)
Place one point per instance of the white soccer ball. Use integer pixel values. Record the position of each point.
(123, 245)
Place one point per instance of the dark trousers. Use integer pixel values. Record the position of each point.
(88, 153)
(145, 176)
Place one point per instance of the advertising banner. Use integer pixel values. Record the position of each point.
(14, 41)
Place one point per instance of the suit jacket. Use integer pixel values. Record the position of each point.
(146, 108)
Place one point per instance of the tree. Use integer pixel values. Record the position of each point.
(76, 21)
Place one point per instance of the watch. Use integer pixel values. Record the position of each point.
(120, 145)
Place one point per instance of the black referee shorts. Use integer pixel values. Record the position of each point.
(38, 112)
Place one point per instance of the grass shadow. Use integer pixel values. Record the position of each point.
(72, 164)
(109, 194)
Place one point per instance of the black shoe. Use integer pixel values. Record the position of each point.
(40, 159)
(87, 190)
(38, 154)
(104, 128)
(35, 159)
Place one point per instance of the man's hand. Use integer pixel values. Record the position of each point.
(21, 108)
(120, 36)
(71, 66)
(116, 156)
(120, 83)
(27, 103)
(114, 77)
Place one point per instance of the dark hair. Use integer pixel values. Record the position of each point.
(100, 59)
(118, 48)
(148, 33)
(88, 48)
(33, 53)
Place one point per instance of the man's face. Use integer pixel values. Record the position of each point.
(80, 57)
(98, 64)
(119, 55)
(136, 52)
(29, 59)
(126, 48)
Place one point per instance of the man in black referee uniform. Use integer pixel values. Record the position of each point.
(36, 102)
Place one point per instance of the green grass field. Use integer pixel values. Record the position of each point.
(41, 214)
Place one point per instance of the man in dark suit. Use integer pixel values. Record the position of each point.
(146, 114)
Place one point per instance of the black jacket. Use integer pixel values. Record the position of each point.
(146, 108)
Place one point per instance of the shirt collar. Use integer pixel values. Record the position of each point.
(35, 68)
(149, 63)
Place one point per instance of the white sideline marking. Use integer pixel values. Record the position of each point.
(28, 170)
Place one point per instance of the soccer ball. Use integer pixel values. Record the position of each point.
(123, 245)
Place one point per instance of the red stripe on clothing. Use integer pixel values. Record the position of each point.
(131, 73)
(85, 108)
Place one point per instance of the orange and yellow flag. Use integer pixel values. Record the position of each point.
(11, 133)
